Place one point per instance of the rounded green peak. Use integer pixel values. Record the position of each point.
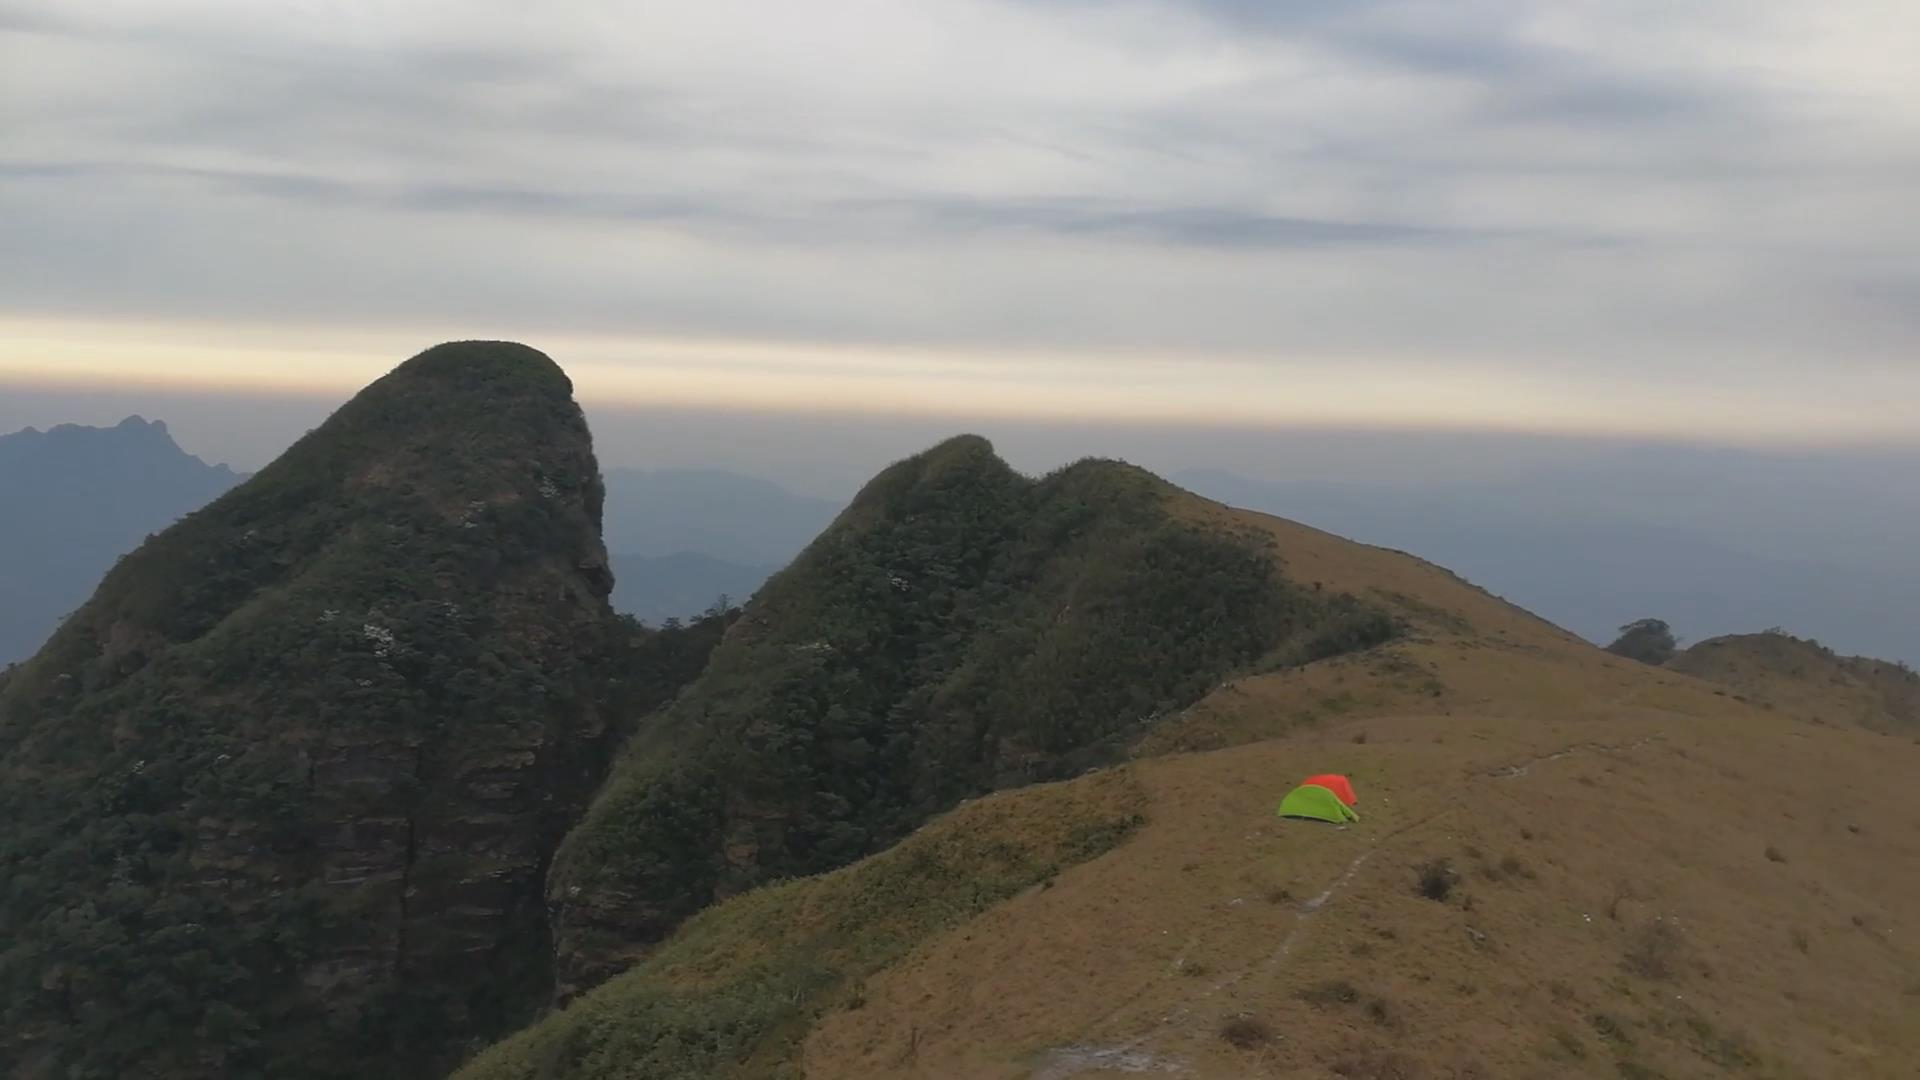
(467, 361)
(941, 466)
(967, 445)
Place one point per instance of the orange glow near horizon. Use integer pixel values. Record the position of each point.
(960, 383)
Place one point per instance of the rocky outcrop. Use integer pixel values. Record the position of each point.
(282, 797)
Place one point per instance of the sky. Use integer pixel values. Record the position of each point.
(1617, 219)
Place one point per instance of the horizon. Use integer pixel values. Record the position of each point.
(1589, 532)
(1514, 219)
(246, 429)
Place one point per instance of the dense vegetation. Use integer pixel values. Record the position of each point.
(1650, 641)
(280, 799)
(961, 628)
(286, 797)
(733, 994)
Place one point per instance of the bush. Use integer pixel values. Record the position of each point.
(1327, 995)
(1655, 951)
(1246, 1032)
(1610, 1030)
(1435, 879)
(1650, 641)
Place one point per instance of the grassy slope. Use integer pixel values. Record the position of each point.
(1616, 910)
(961, 629)
(1806, 680)
(734, 992)
(1648, 879)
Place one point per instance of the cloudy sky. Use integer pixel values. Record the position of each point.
(1610, 218)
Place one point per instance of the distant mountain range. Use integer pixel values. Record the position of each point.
(354, 774)
(73, 500)
(681, 538)
(77, 498)
(1589, 556)
(724, 516)
(654, 589)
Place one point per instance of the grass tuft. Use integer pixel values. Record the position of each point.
(1246, 1032)
(1435, 879)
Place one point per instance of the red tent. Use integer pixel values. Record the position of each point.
(1337, 784)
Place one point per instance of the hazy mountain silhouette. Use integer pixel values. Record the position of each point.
(75, 499)
(682, 537)
(722, 515)
(654, 589)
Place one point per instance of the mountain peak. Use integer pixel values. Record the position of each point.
(346, 708)
(467, 363)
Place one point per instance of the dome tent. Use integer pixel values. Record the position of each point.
(1312, 802)
(1337, 784)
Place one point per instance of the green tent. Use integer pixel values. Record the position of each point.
(1315, 803)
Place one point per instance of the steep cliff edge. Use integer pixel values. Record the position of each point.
(281, 797)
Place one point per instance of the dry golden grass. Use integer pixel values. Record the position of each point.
(1803, 680)
(1614, 910)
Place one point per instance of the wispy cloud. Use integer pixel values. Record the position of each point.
(1669, 201)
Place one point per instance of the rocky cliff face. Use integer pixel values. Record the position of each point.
(281, 798)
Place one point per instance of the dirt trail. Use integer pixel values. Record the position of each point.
(1067, 1062)
(1508, 772)
(1129, 1057)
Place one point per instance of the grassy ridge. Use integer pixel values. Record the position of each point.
(961, 629)
(732, 994)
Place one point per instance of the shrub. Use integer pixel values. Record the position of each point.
(1377, 1065)
(1246, 1032)
(1610, 1030)
(1654, 952)
(1649, 641)
(1435, 879)
(1326, 995)
(1567, 1044)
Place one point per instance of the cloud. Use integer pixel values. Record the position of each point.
(1674, 200)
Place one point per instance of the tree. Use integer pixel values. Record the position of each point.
(1649, 641)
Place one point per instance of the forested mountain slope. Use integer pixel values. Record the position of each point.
(280, 799)
(1567, 865)
(961, 628)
